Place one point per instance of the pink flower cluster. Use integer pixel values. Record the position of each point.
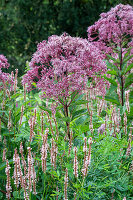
(5, 78)
(113, 28)
(62, 65)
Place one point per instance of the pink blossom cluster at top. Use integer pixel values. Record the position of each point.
(5, 78)
(113, 28)
(3, 62)
(62, 65)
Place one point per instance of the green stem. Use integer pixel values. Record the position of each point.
(122, 81)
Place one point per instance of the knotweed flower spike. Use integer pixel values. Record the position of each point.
(75, 167)
(127, 100)
(4, 155)
(44, 150)
(65, 184)
(125, 123)
(8, 183)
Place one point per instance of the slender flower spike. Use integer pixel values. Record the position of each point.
(15, 81)
(9, 121)
(65, 184)
(125, 123)
(30, 170)
(75, 171)
(87, 159)
(127, 100)
(4, 155)
(8, 183)
(91, 124)
(44, 150)
(85, 156)
(17, 175)
(23, 160)
(24, 88)
(74, 195)
(53, 153)
(89, 152)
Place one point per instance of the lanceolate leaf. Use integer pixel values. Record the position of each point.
(79, 113)
(46, 109)
(129, 80)
(111, 58)
(112, 72)
(128, 58)
(129, 68)
(79, 102)
(110, 80)
(111, 99)
(111, 66)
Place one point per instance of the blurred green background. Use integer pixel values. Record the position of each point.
(24, 23)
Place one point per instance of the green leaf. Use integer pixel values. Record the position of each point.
(3, 166)
(111, 99)
(128, 68)
(111, 58)
(111, 66)
(128, 58)
(79, 113)
(79, 102)
(46, 109)
(110, 80)
(66, 119)
(16, 194)
(128, 80)
(112, 72)
(1, 195)
(127, 53)
(34, 84)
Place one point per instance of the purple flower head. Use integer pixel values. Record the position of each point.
(3, 62)
(62, 65)
(113, 28)
(5, 78)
